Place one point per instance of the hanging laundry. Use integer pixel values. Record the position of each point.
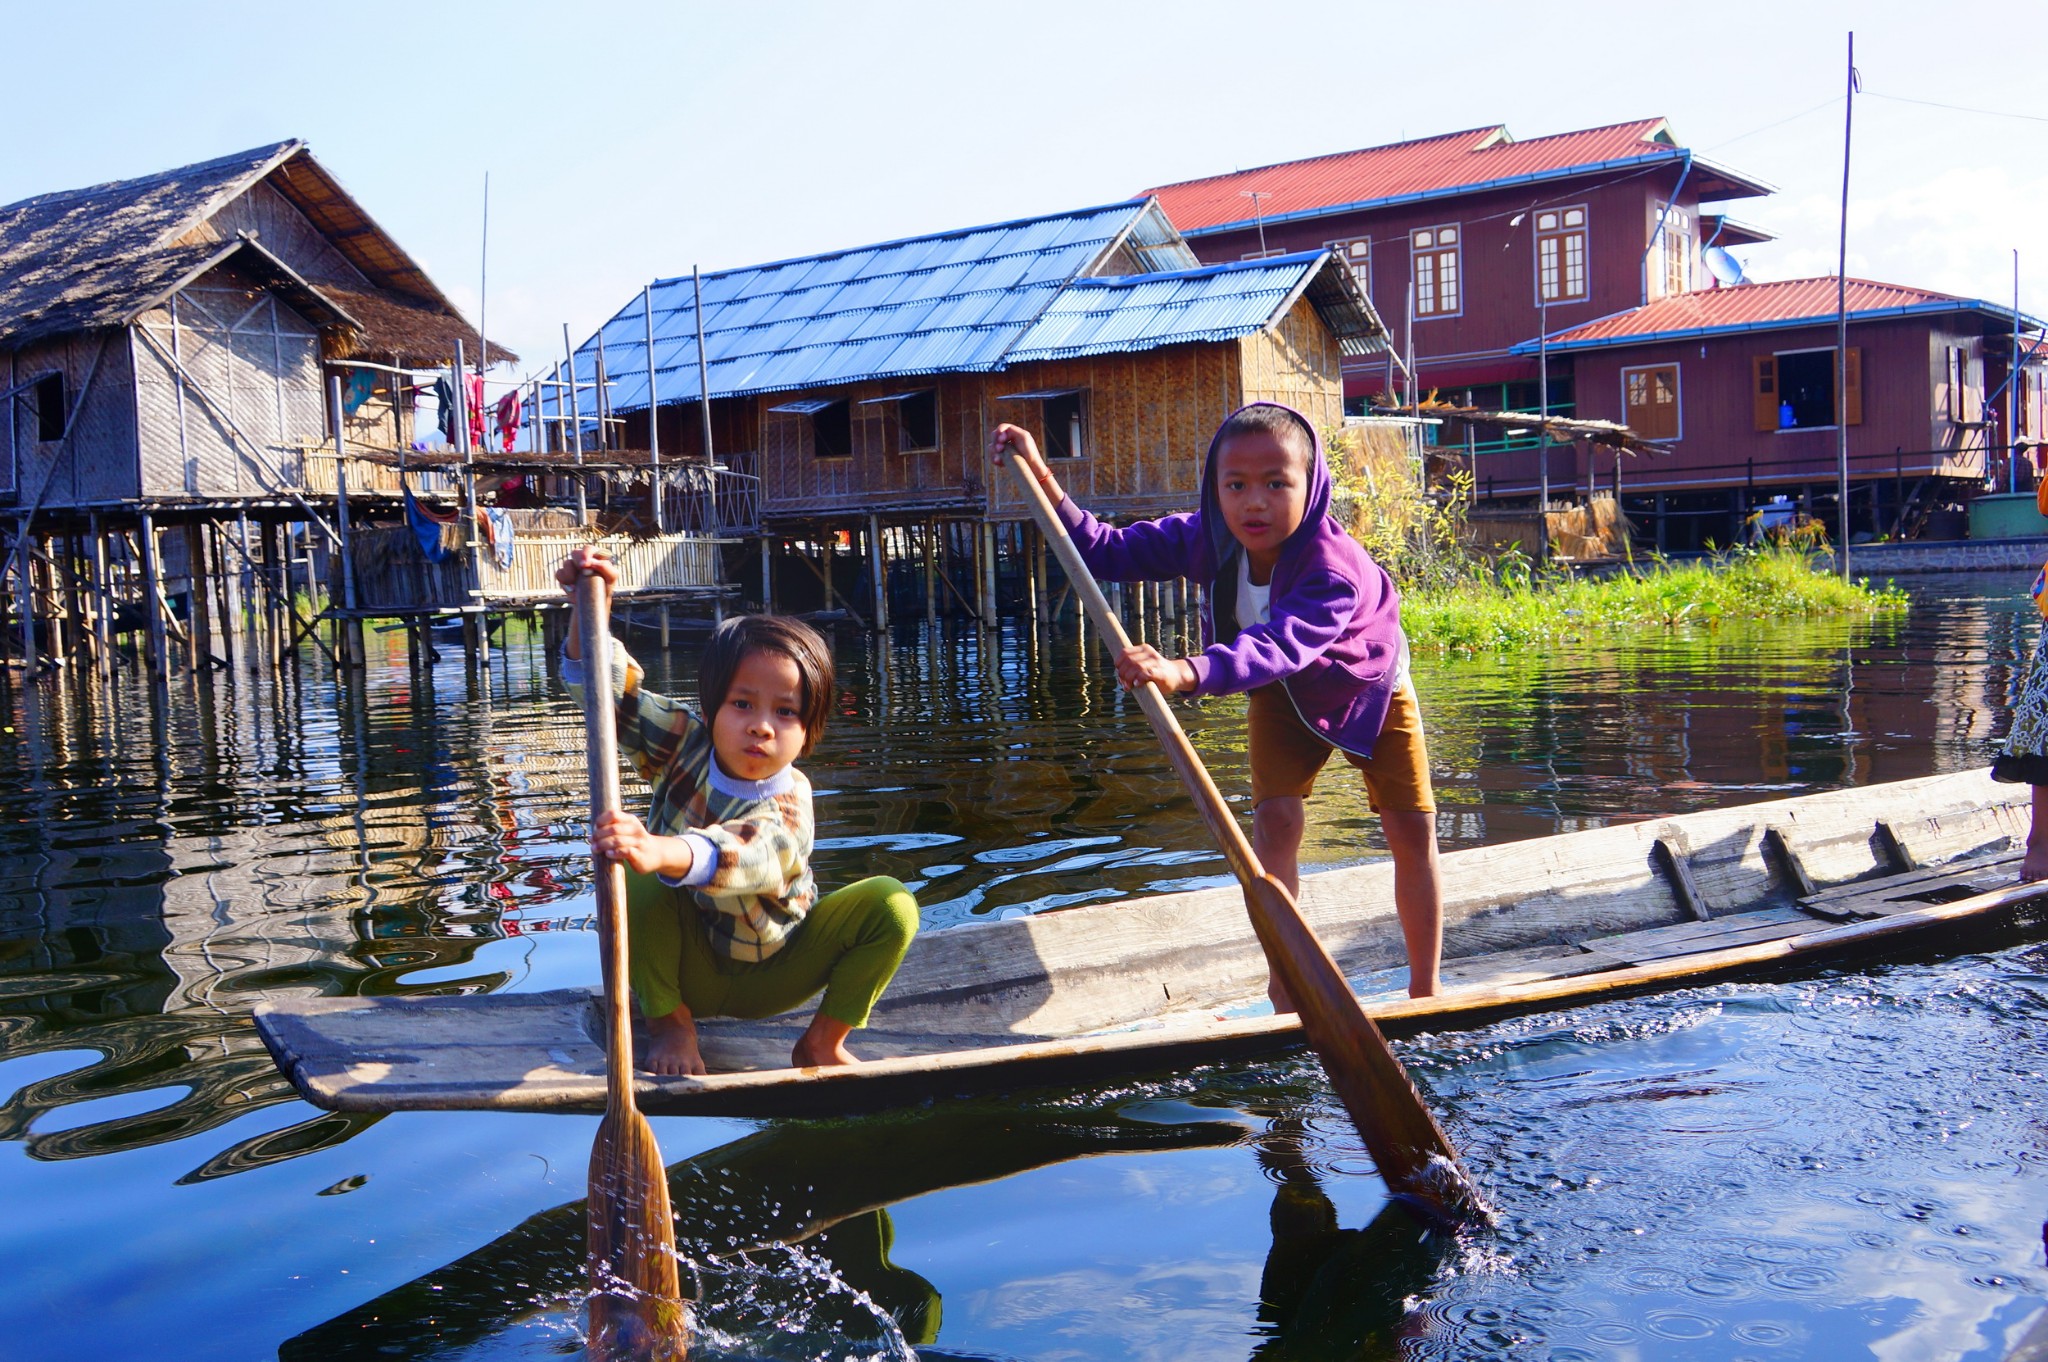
(476, 411)
(444, 394)
(426, 526)
(361, 383)
(498, 530)
(508, 419)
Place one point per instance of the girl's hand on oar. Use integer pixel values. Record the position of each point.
(1142, 662)
(588, 559)
(1016, 442)
(619, 836)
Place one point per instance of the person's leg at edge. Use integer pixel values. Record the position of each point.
(1277, 825)
(2034, 865)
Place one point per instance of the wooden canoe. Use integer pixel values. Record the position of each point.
(1087, 993)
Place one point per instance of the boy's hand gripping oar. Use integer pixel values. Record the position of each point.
(636, 1306)
(1412, 1152)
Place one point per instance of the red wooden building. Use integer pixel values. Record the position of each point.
(1567, 273)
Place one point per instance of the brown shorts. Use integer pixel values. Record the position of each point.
(1286, 754)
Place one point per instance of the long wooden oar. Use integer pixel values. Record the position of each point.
(636, 1306)
(1411, 1150)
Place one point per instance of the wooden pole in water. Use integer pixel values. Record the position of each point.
(636, 1307)
(878, 573)
(1412, 1152)
(103, 595)
(25, 598)
(153, 597)
(350, 635)
(931, 573)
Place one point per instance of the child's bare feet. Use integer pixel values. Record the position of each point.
(1283, 1002)
(672, 1045)
(822, 1043)
(2034, 865)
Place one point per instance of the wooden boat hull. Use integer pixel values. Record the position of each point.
(1083, 994)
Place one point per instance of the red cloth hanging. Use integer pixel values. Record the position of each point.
(508, 419)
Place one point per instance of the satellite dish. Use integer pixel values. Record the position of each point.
(1725, 268)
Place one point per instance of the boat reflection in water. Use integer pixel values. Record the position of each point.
(789, 1234)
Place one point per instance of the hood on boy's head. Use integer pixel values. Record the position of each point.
(1221, 543)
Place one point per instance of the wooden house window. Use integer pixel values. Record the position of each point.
(1561, 255)
(1965, 404)
(1066, 425)
(916, 417)
(49, 399)
(1434, 258)
(1650, 399)
(1356, 253)
(831, 425)
(1795, 390)
(1674, 256)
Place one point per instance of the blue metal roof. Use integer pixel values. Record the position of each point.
(1145, 311)
(950, 302)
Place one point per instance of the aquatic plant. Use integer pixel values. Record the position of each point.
(1454, 596)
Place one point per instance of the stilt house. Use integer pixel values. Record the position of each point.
(860, 385)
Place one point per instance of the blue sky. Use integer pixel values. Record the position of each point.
(626, 141)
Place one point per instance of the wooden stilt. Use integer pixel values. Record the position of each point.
(227, 578)
(931, 571)
(153, 601)
(767, 574)
(878, 572)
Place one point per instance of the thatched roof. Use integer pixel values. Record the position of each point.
(85, 259)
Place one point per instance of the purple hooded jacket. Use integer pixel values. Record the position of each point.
(1333, 638)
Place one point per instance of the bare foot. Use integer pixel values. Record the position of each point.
(2034, 865)
(823, 1043)
(672, 1045)
(1422, 988)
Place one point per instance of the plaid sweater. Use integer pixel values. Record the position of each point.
(761, 887)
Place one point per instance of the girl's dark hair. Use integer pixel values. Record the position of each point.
(793, 639)
(1288, 427)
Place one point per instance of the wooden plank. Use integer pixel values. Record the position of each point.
(1694, 938)
(1906, 881)
(1672, 858)
(1917, 889)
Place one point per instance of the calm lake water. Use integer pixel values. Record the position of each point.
(1847, 1165)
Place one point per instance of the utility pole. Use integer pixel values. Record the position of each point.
(1842, 327)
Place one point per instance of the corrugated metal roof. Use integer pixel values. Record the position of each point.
(950, 302)
(1760, 307)
(1221, 302)
(1457, 162)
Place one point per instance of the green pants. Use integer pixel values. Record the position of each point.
(849, 945)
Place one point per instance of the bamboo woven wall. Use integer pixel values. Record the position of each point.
(253, 367)
(283, 231)
(99, 463)
(392, 572)
(1297, 363)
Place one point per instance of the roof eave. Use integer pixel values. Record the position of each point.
(1934, 307)
(1663, 156)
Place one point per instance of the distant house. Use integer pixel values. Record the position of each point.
(166, 337)
(1609, 242)
(1739, 384)
(1492, 237)
(860, 385)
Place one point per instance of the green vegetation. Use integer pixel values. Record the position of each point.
(1504, 605)
(1455, 597)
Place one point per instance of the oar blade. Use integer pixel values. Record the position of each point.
(1413, 1154)
(636, 1304)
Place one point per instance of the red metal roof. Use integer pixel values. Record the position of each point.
(1431, 165)
(1785, 302)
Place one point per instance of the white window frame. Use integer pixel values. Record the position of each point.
(1677, 396)
(1674, 226)
(1356, 253)
(1560, 233)
(1427, 242)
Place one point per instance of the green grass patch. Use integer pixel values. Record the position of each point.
(1512, 606)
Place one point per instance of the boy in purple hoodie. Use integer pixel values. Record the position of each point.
(1300, 616)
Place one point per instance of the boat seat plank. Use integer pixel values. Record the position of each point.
(1692, 938)
(1524, 966)
(1919, 888)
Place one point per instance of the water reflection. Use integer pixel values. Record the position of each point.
(171, 855)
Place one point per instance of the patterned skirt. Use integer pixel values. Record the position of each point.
(2024, 760)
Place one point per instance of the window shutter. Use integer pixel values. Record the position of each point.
(1763, 390)
(1852, 387)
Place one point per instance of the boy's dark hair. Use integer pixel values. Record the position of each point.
(1288, 427)
(791, 638)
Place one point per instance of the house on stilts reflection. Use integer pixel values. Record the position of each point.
(212, 379)
(855, 389)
